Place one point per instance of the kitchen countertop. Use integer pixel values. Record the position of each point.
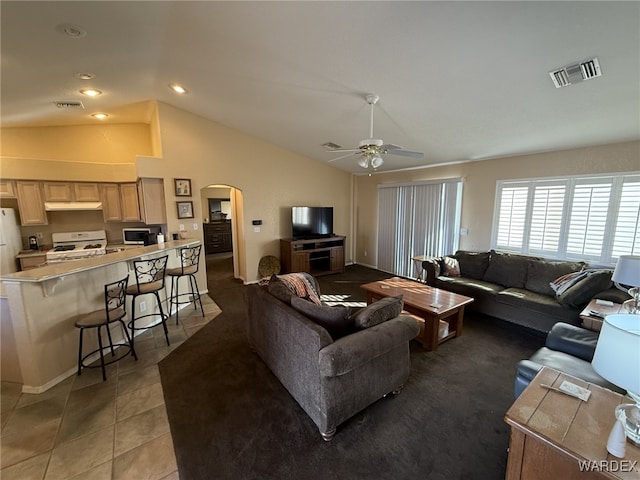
(57, 270)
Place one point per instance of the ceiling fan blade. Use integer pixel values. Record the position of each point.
(345, 150)
(352, 152)
(405, 153)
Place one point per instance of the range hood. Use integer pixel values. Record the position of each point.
(71, 206)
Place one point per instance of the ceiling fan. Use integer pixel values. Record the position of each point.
(371, 149)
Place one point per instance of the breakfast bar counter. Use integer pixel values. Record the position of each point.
(40, 341)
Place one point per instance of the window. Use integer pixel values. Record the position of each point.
(417, 219)
(593, 218)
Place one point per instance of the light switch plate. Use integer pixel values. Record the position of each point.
(181, 227)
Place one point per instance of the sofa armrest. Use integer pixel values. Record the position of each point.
(572, 340)
(352, 351)
(430, 270)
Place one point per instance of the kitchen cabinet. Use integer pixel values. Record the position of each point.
(32, 261)
(152, 202)
(7, 189)
(120, 202)
(69, 192)
(217, 237)
(31, 203)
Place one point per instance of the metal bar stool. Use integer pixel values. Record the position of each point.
(114, 311)
(189, 261)
(149, 276)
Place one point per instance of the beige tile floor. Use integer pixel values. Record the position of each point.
(84, 428)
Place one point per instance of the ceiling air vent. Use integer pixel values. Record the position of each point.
(331, 146)
(69, 105)
(577, 73)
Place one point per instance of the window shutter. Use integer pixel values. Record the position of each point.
(511, 217)
(627, 237)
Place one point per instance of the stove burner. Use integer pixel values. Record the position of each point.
(64, 248)
(93, 245)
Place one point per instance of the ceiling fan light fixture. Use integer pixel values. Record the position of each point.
(363, 162)
(377, 161)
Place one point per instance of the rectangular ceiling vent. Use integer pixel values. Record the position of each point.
(69, 105)
(572, 74)
(331, 146)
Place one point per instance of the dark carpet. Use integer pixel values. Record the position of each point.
(230, 418)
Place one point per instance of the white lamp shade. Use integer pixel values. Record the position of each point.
(376, 161)
(627, 271)
(617, 355)
(363, 161)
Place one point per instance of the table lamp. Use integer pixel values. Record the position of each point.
(617, 359)
(627, 273)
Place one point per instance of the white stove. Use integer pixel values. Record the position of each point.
(77, 245)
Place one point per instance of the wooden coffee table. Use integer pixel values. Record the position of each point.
(428, 304)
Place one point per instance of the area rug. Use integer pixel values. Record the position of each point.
(230, 418)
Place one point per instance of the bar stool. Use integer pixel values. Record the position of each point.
(189, 262)
(114, 311)
(149, 276)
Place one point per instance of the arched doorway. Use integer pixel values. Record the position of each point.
(223, 235)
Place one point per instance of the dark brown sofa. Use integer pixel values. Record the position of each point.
(516, 288)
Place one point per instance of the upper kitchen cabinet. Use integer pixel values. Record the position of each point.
(69, 192)
(7, 189)
(152, 203)
(120, 202)
(31, 203)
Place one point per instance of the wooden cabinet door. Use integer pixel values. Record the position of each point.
(111, 209)
(7, 189)
(130, 207)
(58, 191)
(31, 203)
(86, 192)
(152, 203)
(337, 259)
(300, 262)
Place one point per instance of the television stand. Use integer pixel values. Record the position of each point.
(317, 256)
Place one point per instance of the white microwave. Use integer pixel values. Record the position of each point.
(136, 236)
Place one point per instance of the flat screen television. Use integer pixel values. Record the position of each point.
(311, 222)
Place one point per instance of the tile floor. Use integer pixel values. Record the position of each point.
(84, 428)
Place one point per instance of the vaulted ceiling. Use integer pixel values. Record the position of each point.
(459, 81)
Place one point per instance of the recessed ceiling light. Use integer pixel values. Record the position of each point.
(85, 76)
(100, 115)
(73, 31)
(90, 92)
(178, 88)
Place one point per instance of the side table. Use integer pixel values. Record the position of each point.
(556, 436)
(593, 322)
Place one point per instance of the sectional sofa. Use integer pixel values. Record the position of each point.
(517, 288)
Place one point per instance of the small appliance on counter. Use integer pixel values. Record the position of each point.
(33, 243)
(140, 236)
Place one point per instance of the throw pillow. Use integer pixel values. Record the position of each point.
(579, 294)
(334, 319)
(472, 264)
(451, 267)
(278, 289)
(377, 312)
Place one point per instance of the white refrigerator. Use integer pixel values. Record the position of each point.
(10, 240)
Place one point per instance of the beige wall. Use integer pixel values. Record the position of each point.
(479, 184)
(271, 181)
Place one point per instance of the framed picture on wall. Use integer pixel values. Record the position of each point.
(183, 187)
(185, 209)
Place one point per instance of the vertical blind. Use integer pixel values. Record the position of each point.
(594, 218)
(417, 219)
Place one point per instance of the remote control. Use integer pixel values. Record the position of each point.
(604, 303)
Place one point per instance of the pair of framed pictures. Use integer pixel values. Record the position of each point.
(183, 189)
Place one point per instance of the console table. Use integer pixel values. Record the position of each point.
(557, 436)
(319, 256)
